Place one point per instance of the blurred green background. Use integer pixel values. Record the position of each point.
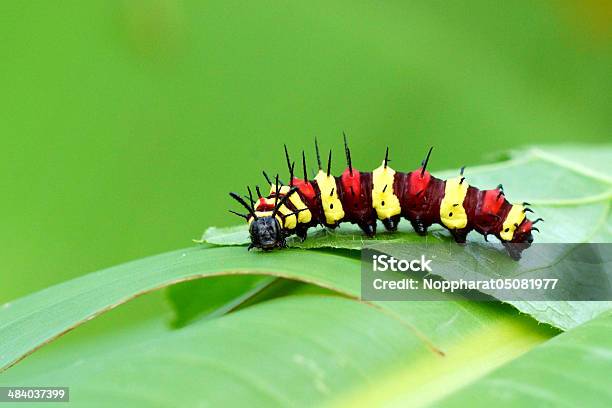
(124, 124)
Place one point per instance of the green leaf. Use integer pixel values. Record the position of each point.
(317, 349)
(570, 192)
(297, 350)
(238, 235)
(31, 321)
(35, 320)
(573, 369)
(214, 296)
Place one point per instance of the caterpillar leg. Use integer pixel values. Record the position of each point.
(419, 226)
(391, 223)
(368, 229)
(460, 235)
(282, 244)
(301, 232)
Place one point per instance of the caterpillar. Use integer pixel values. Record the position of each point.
(362, 198)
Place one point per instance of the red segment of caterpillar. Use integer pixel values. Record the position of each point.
(420, 196)
(355, 194)
(362, 198)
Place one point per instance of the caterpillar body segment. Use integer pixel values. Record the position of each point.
(384, 194)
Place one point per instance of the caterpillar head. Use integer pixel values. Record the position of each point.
(265, 228)
(521, 239)
(522, 234)
(266, 233)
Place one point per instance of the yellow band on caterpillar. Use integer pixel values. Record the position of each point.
(514, 218)
(304, 216)
(289, 221)
(384, 201)
(452, 213)
(261, 214)
(332, 207)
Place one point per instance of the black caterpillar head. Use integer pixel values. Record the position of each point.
(522, 238)
(266, 233)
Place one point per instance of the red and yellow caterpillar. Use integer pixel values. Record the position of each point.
(362, 198)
